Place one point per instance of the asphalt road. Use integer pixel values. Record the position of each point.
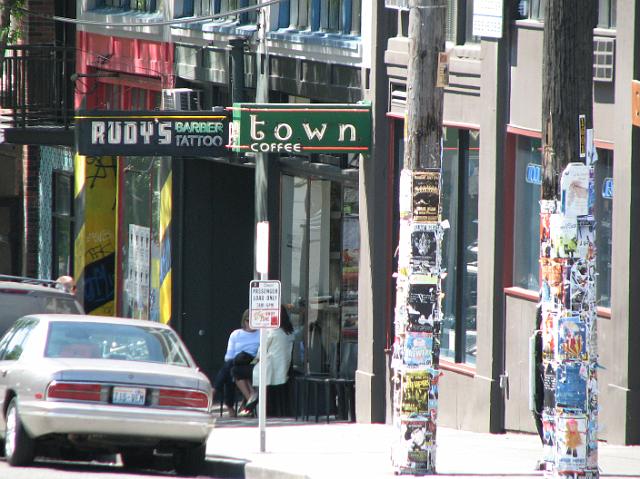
(46, 469)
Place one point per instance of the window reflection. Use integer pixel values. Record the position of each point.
(319, 270)
(526, 225)
(141, 185)
(603, 209)
(62, 224)
(460, 167)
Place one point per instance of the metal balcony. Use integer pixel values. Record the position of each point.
(36, 94)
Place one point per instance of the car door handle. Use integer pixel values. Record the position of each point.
(4, 373)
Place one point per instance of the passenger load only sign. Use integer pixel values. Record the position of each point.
(264, 304)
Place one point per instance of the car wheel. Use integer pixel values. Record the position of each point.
(19, 447)
(189, 461)
(137, 459)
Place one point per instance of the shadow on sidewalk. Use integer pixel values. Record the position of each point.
(226, 421)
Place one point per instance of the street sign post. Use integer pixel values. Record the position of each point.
(264, 313)
(264, 304)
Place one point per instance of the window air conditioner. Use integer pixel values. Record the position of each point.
(181, 99)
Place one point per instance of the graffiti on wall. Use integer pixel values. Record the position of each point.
(95, 244)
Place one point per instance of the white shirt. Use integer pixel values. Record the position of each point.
(242, 340)
(279, 347)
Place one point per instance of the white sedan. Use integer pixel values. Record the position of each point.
(100, 385)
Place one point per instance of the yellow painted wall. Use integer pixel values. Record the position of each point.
(95, 243)
(165, 247)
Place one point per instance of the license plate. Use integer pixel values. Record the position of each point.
(130, 396)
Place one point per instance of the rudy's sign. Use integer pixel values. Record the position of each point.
(301, 128)
(152, 133)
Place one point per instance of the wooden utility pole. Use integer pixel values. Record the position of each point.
(427, 20)
(417, 317)
(567, 84)
(569, 415)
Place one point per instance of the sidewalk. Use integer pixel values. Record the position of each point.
(309, 450)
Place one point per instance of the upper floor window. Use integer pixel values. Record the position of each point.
(534, 10)
(459, 21)
(607, 13)
(459, 27)
(137, 5)
(323, 16)
(212, 7)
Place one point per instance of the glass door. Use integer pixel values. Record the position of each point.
(319, 253)
(294, 254)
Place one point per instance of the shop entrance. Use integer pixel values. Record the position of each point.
(320, 246)
(215, 255)
(9, 238)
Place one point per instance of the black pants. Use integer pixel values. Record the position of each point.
(224, 383)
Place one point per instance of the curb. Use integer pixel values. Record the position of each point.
(231, 468)
(225, 467)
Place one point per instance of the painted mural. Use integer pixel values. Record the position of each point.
(95, 241)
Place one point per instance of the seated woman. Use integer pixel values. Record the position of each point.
(279, 347)
(242, 348)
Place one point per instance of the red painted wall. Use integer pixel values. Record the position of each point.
(139, 63)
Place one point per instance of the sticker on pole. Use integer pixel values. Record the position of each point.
(264, 304)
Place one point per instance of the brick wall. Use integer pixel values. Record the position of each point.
(37, 29)
(31, 181)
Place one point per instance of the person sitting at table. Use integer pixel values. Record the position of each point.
(279, 347)
(242, 348)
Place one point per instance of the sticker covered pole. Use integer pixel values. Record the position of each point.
(568, 410)
(417, 313)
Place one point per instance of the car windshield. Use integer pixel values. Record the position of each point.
(18, 303)
(114, 341)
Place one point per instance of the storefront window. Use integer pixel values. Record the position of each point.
(526, 227)
(460, 246)
(602, 212)
(527, 213)
(140, 242)
(62, 227)
(319, 269)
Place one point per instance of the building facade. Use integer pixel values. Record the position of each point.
(36, 98)
(334, 217)
(492, 159)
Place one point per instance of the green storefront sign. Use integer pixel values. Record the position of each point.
(301, 128)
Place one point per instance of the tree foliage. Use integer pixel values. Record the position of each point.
(10, 14)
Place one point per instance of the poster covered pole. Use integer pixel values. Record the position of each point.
(416, 348)
(567, 408)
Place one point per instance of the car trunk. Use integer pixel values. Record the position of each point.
(143, 374)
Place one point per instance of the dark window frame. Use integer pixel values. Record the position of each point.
(147, 6)
(56, 217)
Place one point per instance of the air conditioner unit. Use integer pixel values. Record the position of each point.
(181, 99)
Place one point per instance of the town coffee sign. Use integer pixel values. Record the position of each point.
(301, 128)
(152, 133)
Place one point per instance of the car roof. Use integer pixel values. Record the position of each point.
(7, 285)
(87, 318)
(18, 283)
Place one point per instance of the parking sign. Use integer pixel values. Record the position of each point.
(264, 304)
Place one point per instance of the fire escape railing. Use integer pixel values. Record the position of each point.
(36, 89)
